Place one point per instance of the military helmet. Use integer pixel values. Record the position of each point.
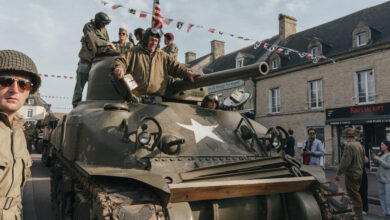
(210, 97)
(348, 132)
(16, 62)
(155, 32)
(102, 18)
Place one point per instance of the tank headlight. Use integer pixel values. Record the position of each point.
(144, 138)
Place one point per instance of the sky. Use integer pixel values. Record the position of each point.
(49, 31)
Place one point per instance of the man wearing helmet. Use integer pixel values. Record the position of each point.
(170, 47)
(150, 67)
(352, 164)
(210, 102)
(18, 78)
(94, 42)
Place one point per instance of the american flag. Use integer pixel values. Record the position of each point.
(157, 21)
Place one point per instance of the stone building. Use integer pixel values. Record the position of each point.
(347, 89)
(35, 108)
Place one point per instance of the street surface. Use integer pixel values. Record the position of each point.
(37, 206)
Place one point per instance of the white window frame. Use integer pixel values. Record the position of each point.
(315, 87)
(240, 62)
(30, 112)
(30, 101)
(274, 100)
(358, 42)
(274, 64)
(315, 51)
(368, 85)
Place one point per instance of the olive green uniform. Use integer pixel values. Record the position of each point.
(123, 48)
(94, 41)
(352, 164)
(151, 70)
(15, 163)
(172, 50)
(30, 137)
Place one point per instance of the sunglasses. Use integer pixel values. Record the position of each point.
(312, 133)
(122, 33)
(6, 81)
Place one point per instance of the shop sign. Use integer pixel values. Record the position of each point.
(367, 114)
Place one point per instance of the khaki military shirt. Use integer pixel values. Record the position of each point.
(15, 163)
(151, 70)
(93, 41)
(123, 48)
(352, 162)
(172, 50)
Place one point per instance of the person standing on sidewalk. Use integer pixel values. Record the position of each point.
(289, 147)
(18, 78)
(313, 150)
(352, 164)
(383, 176)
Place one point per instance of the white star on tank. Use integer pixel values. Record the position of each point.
(201, 131)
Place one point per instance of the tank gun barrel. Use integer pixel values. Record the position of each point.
(223, 76)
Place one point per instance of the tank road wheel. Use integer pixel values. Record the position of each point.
(301, 205)
(334, 203)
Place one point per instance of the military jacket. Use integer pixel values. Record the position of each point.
(151, 70)
(172, 50)
(15, 163)
(93, 41)
(352, 162)
(124, 48)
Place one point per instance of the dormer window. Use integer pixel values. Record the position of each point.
(361, 39)
(315, 51)
(240, 62)
(30, 101)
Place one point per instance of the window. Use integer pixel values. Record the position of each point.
(364, 87)
(274, 100)
(239, 62)
(29, 113)
(315, 94)
(274, 64)
(361, 39)
(30, 101)
(314, 51)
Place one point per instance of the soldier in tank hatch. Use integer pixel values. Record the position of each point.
(170, 47)
(18, 78)
(94, 41)
(121, 45)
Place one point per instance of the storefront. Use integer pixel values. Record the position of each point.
(372, 120)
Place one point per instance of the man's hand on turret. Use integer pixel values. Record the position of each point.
(119, 72)
(193, 75)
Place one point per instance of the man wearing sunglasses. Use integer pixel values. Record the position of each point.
(18, 78)
(95, 41)
(150, 67)
(122, 47)
(313, 149)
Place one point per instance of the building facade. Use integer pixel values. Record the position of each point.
(35, 108)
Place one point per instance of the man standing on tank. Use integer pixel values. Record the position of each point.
(18, 78)
(122, 46)
(352, 163)
(170, 47)
(94, 41)
(150, 67)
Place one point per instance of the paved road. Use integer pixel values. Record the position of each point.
(37, 206)
(36, 193)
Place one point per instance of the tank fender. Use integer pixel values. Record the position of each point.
(316, 171)
(155, 180)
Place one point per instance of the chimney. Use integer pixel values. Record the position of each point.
(217, 49)
(287, 26)
(190, 56)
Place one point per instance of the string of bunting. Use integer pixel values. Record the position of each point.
(180, 24)
(57, 76)
(55, 97)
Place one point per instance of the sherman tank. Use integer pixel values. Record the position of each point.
(169, 158)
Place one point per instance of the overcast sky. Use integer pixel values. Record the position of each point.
(49, 31)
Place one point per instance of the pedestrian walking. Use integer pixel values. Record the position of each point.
(351, 165)
(289, 147)
(313, 150)
(383, 176)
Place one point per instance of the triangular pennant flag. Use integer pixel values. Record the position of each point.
(179, 25)
(132, 11)
(104, 2)
(220, 32)
(211, 30)
(189, 27)
(247, 39)
(168, 21)
(115, 6)
(143, 14)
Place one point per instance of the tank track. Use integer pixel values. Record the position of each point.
(334, 203)
(101, 198)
